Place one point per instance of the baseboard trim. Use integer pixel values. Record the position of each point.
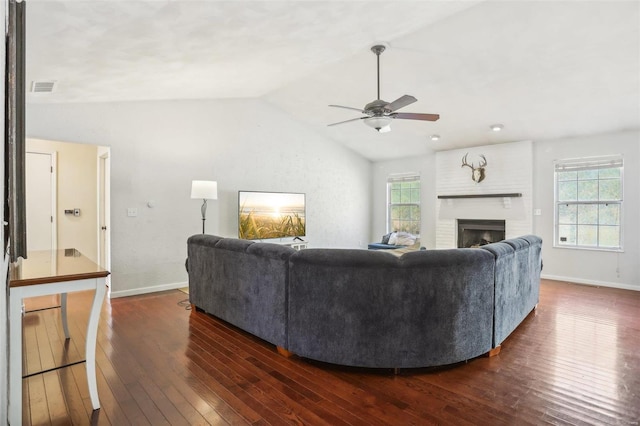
(591, 282)
(146, 290)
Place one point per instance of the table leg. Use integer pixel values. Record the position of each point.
(63, 308)
(90, 349)
(15, 357)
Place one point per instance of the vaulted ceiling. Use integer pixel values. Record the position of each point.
(542, 69)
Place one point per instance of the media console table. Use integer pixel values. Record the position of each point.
(43, 273)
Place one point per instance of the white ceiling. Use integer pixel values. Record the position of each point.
(543, 69)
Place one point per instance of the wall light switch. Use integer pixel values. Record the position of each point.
(537, 212)
(132, 212)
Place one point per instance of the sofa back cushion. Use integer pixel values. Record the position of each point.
(199, 250)
(243, 283)
(516, 290)
(371, 309)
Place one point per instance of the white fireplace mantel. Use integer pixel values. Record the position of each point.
(482, 208)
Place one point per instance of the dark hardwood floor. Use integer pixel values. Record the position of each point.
(575, 360)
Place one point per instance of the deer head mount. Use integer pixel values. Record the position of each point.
(477, 173)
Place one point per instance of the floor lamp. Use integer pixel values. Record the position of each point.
(204, 190)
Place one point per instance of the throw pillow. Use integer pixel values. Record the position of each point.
(405, 239)
(393, 238)
(385, 238)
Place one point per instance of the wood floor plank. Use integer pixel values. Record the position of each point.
(39, 411)
(31, 355)
(167, 360)
(73, 398)
(574, 360)
(286, 402)
(56, 404)
(321, 379)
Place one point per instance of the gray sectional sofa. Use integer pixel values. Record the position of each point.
(369, 308)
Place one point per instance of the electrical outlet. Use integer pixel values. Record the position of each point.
(537, 212)
(132, 212)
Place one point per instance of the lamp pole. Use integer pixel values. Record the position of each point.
(204, 190)
(203, 209)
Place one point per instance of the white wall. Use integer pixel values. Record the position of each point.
(585, 266)
(157, 148)
(444, 167)
(425, 167)
(580, 266)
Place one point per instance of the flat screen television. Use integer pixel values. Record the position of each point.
(265, 215)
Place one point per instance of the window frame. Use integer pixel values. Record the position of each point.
(585, 164)
(409, 177)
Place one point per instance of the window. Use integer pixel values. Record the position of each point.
(588, 197)
(403, 210)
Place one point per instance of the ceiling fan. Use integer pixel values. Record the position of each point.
(379, 113)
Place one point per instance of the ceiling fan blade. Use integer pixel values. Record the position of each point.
(346, 107)
(346, 121)
(402, 101)
(414, 116)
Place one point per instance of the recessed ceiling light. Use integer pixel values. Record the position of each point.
(435, 137)
(496, 127)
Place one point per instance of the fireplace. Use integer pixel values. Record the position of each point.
(476, 232)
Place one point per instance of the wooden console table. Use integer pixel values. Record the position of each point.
(45, 273)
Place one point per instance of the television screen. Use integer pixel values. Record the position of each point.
(264, 215)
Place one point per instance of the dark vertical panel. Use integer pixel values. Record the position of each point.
(15, 130)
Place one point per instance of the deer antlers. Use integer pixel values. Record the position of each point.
(477, 173)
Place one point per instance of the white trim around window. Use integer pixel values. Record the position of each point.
(403, 203)
(588, 195)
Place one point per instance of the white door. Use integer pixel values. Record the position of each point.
(40, 201)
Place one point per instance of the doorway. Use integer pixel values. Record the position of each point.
(80, 194)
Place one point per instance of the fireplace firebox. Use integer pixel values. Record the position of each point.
(476, 233)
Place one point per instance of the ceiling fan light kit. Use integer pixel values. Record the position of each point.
(379, 113)
(378, 123)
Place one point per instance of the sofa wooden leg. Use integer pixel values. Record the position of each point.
(285, 353)
(495, 351)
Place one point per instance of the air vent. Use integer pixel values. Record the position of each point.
(42, 86)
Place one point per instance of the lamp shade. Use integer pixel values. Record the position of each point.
(204, 189)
